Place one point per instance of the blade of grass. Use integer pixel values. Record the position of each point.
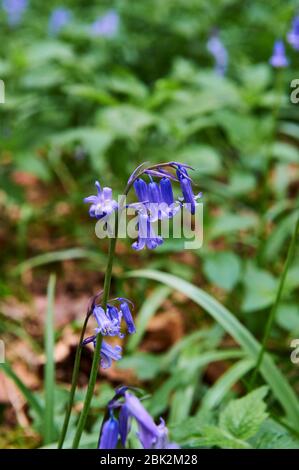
(26, 392)
(49, 375)
(271, 317)
(272, 375)
(225, 382)
(55, 256)
(148, 309)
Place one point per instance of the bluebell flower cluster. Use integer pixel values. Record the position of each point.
(278, 58)
(107, 25)
(217, 49)
(59, 18)
(109, 324)
(156, 201)
(14, 10)
(116, 430)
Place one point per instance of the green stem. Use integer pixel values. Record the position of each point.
(272, 314)
(75, 376)
(97, 352)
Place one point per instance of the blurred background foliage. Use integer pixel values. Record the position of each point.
(81, 107)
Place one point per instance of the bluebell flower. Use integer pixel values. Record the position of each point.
(293, 35)
(216, 47)
(107, 25)
(109, 353)
(127, 315)
(108, 325)
(147, 429)
(109, 436)
(150, 435)
(278, 58)
(146, 234)
(124, 424)
(189, 198)
(102, 204)
(14, 10)
(59, 18)
(141, 190)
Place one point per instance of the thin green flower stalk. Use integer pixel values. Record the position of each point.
(273, 310)
(75, 376)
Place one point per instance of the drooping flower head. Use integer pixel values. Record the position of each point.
(110, 433)
(150, 435)
(293, 35)
(59, 18)
(109, 324)
(217, 49)
(278, 58)
(14, 10)
(102, 204)
(107, 25)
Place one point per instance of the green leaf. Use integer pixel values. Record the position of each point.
(244, 416)
(216, 436)
(203, 158)
(287, 317)
(223, 269)
(272, 375)
(260, 288)
(145, 365)
(227, 223)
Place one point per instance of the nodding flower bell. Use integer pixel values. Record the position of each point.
(109, 436)
(102, 204)
(109, 353)
(293, 35)
(190, 199)
(278, 58)
(150, 435)
(127, 315)
(146, 234)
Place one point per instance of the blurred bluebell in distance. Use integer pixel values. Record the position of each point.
(217, 49)
(14, 10)
(59, 18)
(107, 25)
(293, 35)
(279, 58)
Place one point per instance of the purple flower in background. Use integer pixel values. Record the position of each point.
(278, 58)
(14, 10)
(109, 436)
(109, 353)
(107, 25)
(59, 18)
(102, 204)
(293, 35)
(217, 49)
